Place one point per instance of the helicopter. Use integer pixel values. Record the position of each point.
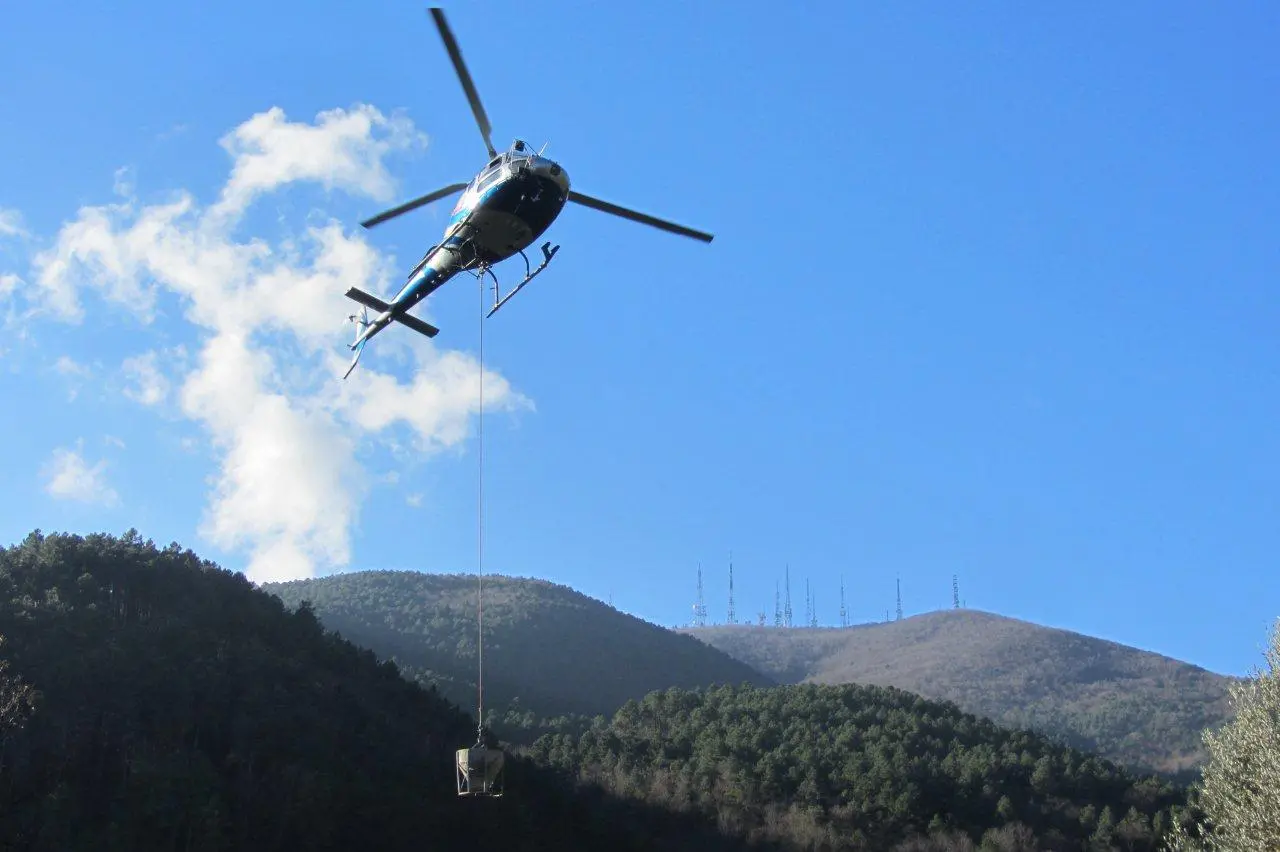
(510, 203)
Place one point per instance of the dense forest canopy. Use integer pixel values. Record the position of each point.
(174, 706)
(550, 652)
(1132, 706)
(851, 767)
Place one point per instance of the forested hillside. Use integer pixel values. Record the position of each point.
(864, 768)
(1132, 706)
(150, 700)
(549, 651)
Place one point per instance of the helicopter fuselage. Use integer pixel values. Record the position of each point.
(507, 206)
(503, 210)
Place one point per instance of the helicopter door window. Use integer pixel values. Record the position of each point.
(489, 178)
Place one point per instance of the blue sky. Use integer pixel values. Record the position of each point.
(993, 293)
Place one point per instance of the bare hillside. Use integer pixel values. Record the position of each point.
(1133, 706)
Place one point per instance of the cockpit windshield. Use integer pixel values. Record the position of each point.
(519, 150)
(493, 170)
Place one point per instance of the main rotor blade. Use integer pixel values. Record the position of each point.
(643, 218)
(412, 205)
(451, 45)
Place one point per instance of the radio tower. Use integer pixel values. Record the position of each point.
(786, 612)
(733, 615)
(899, 599)
(777, 605)
(844, 613)
(808, 604)
(955, 591)
(700, 607)
(813, 610)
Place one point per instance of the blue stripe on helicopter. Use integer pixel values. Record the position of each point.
(485, 196)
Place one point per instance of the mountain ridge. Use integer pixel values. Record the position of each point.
(548, 649)
(1136, 706)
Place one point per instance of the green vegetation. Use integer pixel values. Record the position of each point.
(850, 767)
(1240, 791)
(1131, 706)
(553, 658)
(151, 700)
(154, 701)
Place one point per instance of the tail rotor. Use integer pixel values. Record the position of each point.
(361, 321)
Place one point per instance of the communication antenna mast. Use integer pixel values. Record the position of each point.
(813, 610)
(700, 607)
(733, 614)
(808, 604)
(786, 612)
(844, 613)
(899, 599)
(955, 591)
(760, 619)
(777, 605)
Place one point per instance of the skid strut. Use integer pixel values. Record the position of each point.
(548, 252)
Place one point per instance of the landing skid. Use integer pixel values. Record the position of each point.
(499, 300)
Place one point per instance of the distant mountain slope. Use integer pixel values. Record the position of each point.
(1132, 706)
(557, 651)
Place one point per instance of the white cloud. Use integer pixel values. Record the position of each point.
(262, 382)
(437, 403)
(149, 386)
(68, 366)
(11, 223)
(340, 151)
(414, 500)
(68, 477)
(74, 372)
(124, 182)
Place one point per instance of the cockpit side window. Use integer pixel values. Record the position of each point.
(489, 176)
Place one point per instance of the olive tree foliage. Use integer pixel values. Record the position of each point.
(1239, 794)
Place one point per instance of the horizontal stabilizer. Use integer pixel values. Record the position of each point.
(416, 324)
(371, 301)
(368, 300)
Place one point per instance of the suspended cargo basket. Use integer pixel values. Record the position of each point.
(480, 771)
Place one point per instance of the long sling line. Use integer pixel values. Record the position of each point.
(480, 532)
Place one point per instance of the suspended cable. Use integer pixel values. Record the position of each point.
(480, 768)
(480, 531)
